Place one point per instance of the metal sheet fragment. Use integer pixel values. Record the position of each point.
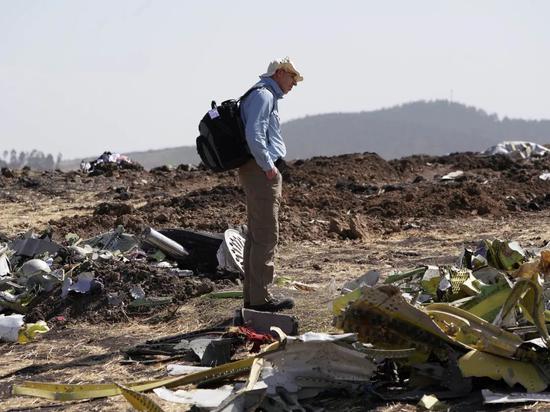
(480, 364)
(490, 397)
(202, 398)
(382, 316)
(472, 331)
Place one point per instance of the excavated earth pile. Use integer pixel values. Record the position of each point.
(385, 195)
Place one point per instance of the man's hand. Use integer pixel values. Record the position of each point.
(271, 173)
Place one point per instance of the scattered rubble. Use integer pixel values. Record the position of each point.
(431, 326)
(107, 162)
(518, 149)
(110, 276)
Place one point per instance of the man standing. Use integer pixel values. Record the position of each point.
(262, 182)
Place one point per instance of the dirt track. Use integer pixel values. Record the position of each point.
(340, 217)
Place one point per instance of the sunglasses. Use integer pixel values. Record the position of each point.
(292, 74)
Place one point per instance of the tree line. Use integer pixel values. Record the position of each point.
(34, 159)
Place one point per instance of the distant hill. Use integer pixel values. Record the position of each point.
(434, 127)
(429, 127)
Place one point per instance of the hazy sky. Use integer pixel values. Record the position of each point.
(80, 77)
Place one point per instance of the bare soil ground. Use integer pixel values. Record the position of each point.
(341, 216)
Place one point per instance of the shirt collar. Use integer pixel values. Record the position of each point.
(273, 85)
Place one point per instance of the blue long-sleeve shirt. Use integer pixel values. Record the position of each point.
(260, 115)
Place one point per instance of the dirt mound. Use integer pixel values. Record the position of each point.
(316, 191)
(319, 171)
(320, 189)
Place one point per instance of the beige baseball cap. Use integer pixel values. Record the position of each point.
(285, 64)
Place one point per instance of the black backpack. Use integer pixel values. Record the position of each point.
(222, 143)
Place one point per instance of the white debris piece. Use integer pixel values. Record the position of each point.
(231, 252)
(368, 279)
(174, 369)
(85, 282)
(453, 175)
(34, 266)
(4, 265)
(9, 327)
(202, 398)
(314, 360)
(517, 149)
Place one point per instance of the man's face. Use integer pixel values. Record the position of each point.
(285, 80)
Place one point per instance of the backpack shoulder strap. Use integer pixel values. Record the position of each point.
(244, 96)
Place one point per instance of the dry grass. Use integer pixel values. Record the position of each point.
(26, 214)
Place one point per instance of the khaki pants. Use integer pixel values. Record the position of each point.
(263, 197)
